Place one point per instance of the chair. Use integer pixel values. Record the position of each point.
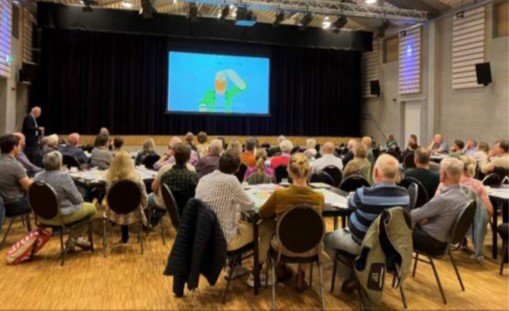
(45, 204)
(171, 206)
(274, 151)
(25, 218)
(123, 198)
(492, 180)
(408, 161)
(458, 232)
(70, 161)
(413, 193)
(321, 177)
(503, 231)
(150, 160)
(300, 230)
(240, 173)
(501, 172)
(422, 193)
(352, 182)
(281, 173)
(234, 259)
(335, 173)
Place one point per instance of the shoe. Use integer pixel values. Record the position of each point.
(237, 272)
(83, 244)
(479, 258)
(300, 282)
(263, 280)
(349, 285)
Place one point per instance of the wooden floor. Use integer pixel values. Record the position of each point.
(128, 280)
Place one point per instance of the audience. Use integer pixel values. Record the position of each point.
(481, 155)
(457, 148)
(498, 157)
(102, 132)
(189, 138)
(49, 143)
(235, 146)
(468, 180)
(367, 142)
(368, 203)
(422, 173)
(327, 159)
(391, 143)
(435, 219)
(248, 157)
(101, 157)
(118, 144)
(72, 148)
(148, 150)
(438, 146)
(286, 147)
(470, 147)
(359, 165)
(202, 145)
(411, 147)
(210, 162)
(22, 158)
(167, 157)
(310, 151)
(350, 146)
(122, 168)
(259, 174)
(281, 200)
(14, 182)
(72, 207)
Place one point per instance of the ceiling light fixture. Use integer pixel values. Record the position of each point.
(304, 22)
(192, 15)
(280, 17)
(147, 9)
(339, 23)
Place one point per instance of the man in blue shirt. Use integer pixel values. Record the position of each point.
(71, 148)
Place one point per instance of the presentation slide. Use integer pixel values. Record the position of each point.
(212, 83)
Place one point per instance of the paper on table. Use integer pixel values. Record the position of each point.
(333, 199)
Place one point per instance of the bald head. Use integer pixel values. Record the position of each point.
(73, 139)
(386, 169)
(351, 144)
(328, 148)
(36, 111)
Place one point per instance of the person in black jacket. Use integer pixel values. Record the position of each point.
(199, 248)
(32, 132)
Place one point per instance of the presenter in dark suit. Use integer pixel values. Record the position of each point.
(32, 133)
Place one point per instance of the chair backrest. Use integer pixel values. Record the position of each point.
(70, 161)
(463, 222)
(240, 173)
(408, 161)
(124, 197)
(273, 151)
(422, 194)
(257, 178)
(322, 177)
(281, 172)
(335, 173)
(265, 146)
(492, 180)
(353, 182)
(300, 229)
(501, 172)
(43, 200)
(413, 193)
(171, 205)
(150, 160)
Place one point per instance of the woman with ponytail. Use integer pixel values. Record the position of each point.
(259, 174)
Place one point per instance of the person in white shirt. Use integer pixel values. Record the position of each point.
(328, 158)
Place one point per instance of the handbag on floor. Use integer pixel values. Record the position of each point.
(27, 247)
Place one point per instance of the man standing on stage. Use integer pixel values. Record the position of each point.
(32, 133)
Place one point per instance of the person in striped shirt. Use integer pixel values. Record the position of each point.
(368, 203)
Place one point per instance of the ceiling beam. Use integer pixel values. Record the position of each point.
(414, 4)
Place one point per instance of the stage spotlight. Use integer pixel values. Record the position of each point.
(280, 17)
(339, 23)
(224, 13)
(87, 5)
(147, 9)
(192, 16)
(245, 17)
(304, 22)
(383, 28)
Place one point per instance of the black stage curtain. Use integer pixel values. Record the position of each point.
(92, 79)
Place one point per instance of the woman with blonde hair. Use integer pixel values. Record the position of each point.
(236, 146)
(259, 174)
(310, 151)
(149, 147)
(359, 165)
(122, 168)
(284, 198)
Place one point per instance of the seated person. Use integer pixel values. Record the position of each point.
(22, 158)
(223, 193)
(189, 138)
(348, 156)
(470, 147)
(286, 147)
(422, 173)
(435, 219)
(122, 168)
(71, 148)
(72, 207)
(368, 203)
(235, 146)
(481, 155)
(310, 151)
(202, 145)
(457, 148)
(284, 198)
(148, 150)
(248, 157)
(499, 157)
(367, 142)
(261, 157)
(359, 165)
(411, 147)
(327, 159)
(101, 156)
(438, 145)
(167, 157)
(14, 182)
(391, 143)
(49, 143)
(181, 181)
(118, 144)
(102, 132)
(210, 162)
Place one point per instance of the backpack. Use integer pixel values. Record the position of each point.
(27, 247)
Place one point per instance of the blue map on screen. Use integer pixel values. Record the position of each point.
(212, 83)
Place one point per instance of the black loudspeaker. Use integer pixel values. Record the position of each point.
(375, 87)
(28, 72)
(483, 72)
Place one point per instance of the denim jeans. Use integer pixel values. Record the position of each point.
(17, 208)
